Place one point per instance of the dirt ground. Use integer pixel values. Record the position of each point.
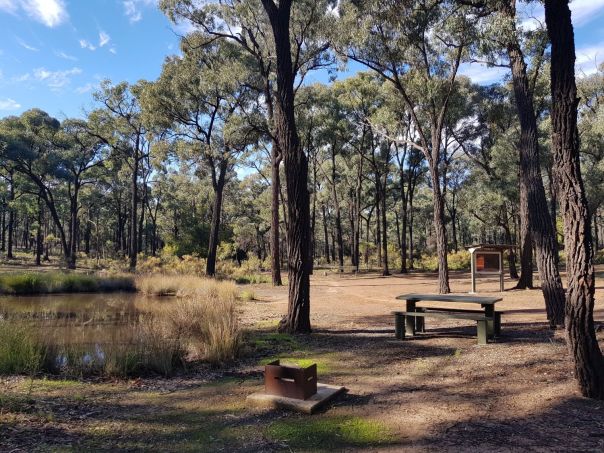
(437, 392)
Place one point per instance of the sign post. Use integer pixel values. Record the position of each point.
(486, 259)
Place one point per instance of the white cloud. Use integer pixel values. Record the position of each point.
(104, 38)
(8, 6)
(84, 44)
(27, 46)
(588, 58)
(583, 11)
(85, 88)
(48, 12)
(55, 79)
(65, 56)
(9, 104)
(132, 8)
(113, 51)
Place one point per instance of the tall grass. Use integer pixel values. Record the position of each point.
(185, 285)
(58, 282)
(21, 352)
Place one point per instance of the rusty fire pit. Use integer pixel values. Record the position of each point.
(290, 382)
(294, 388)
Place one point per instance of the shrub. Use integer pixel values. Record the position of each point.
(457, 261)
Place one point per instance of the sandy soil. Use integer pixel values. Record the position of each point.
(437, 392)
(441, 390)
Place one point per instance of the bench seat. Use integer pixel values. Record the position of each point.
(405, 324)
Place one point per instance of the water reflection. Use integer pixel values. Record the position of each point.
(82, 328)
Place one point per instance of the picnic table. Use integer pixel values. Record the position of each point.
(410, 321)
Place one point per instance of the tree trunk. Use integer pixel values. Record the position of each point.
(297, 319)
(411, 251)
(526, 244)
(511, 254)
(336, 204)
(276, 157)
(133, 210)
(218, 186)
(325, 235)
(73, 226)
(386, 270)
(440, 231)
(3, 226)
(539, 219)
(11, 215)
(589, 363)
(39, 244)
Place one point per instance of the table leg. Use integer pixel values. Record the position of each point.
(489, 311)
(410, 320)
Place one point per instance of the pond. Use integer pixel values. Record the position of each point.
(82, 328)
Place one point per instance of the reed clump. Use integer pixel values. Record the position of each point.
(30, 283)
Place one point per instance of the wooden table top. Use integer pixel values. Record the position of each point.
(449, 298)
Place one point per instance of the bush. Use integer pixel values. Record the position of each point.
(457, 261)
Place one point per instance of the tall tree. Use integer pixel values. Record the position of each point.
(120, 125)
(533, 202)
(420, 56)
(296, 171)
(588, 359)
(244, 23)
(198, 97)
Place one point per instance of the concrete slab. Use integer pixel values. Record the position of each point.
(325, 393)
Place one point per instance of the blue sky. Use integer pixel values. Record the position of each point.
(53, 53)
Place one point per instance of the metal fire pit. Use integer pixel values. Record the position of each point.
(290, 382)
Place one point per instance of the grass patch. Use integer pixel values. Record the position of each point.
(29, 283)
(247, 295)
(327, 433)
(268, 324)
(247, 279)
(20, 350)
(275, 340)
(302, 362)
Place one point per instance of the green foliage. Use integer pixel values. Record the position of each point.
(458, 261)
(58, 282)
(20, 350)
(327, 433)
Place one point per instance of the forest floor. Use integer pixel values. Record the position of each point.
(438, 392)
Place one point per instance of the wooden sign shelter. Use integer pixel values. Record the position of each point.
(487, 259)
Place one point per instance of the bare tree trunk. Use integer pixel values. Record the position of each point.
(440, 231)
(11, 215)
(540, 222)
(133, 210)
(386, 270)
(218, 186)
(297, 319)
(275, 193)
(336, 203)
(526, 244)
(588, 359)
(325, 235)
(39, 244)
